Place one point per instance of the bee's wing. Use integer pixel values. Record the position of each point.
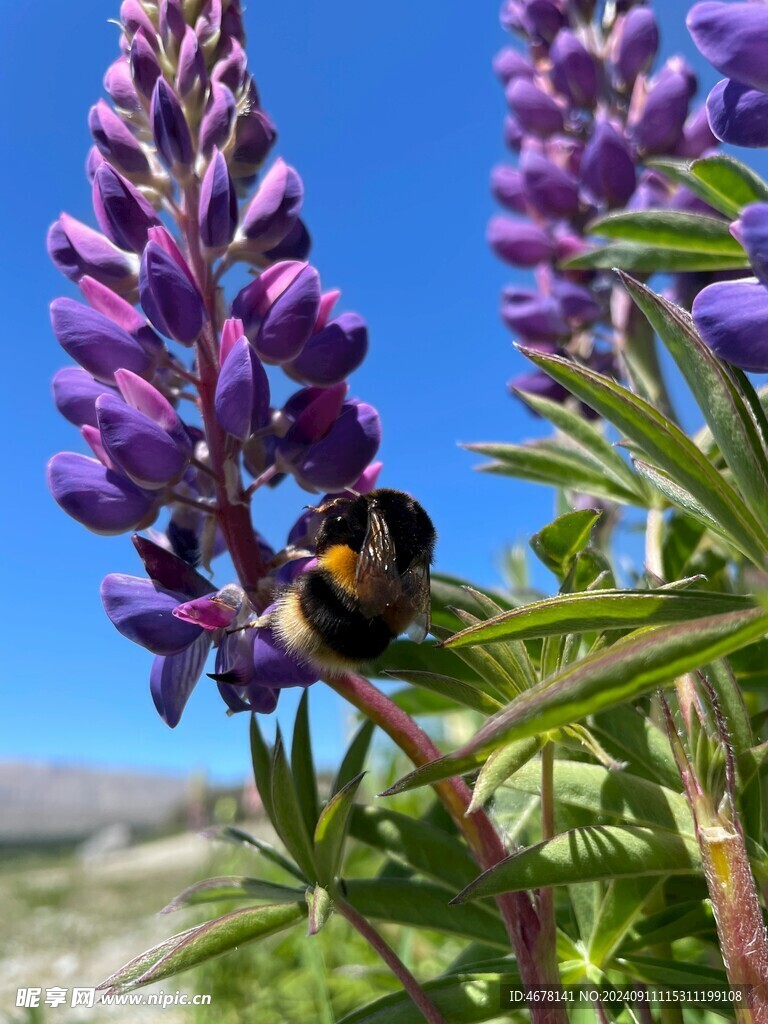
(378, 582)
(415, 582)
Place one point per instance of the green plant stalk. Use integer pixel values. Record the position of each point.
(547, 939)
(537, 966)
(419, 997)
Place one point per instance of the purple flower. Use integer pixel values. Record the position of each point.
(552, 191)
(104, 501)
(99, 344)
(732, 37)
(751, 230)
(574, 71)
(218, 205)
(508, 189)
(637, 43)
(121, 210)
(191, 72)
(608, 167)
(142, 610)
(536, 112)
(169, 127)
(738, 115)
(116, 142)
(732, 318)
(242, 392)
(77, 249)
(290, 320)
(337, 458)
(518, 242)
(659, 127)
(75, 392)
(275, 207)
(169, 294)
(332, 353)
(533, 316)
(145, 69)
(218, 118)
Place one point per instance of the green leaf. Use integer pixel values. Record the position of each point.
(666, 972)
(554, 463)
(514, 654)
(424, 905)
(729, 179)
(212, 890)
(331, 831)
(302, 765)
(196, 945)
(653, 259)
(621, 906)
(238, 837)
(599, 610)
(458, 691)
(558, 543)
(632, 737)
(590, 440)
(417, 702)
(406, 656)
(417, 843)
(447, 767)
(670, 229)
(288, 820)
(727, 409)
(516, 670)
(261, 756)
(500, 677)
(587, 854)
(450, 591)
(354, 759)
(677, 921)
(468, 997)
(501, 765)
(634, 665)
(320, 908)
(607, 793)
(664, 444)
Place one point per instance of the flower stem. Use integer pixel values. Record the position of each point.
(537, 966)
(421, 1000)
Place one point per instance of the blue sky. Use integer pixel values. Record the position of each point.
(393, 120)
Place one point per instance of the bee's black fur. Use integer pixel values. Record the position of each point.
(335, 618)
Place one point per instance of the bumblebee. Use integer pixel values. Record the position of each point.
(370, 584)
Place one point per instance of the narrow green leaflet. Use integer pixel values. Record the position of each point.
(552, 462)
(557, 544)
(621, 906)
(261, 757)
(302, 765)
(288, 819)
(599, 610)
(515, 651)
(446, 767)
(665, 444)
(230, 834)
(634, 665)
(501, 765)
(331, 831)
(588, 854)
(652, 259)
(465, 998)
(675, 922)
(458, 691)
(415, 842)
(726, 184)
(405, 656)
(354, 759)
(612, 794)
(424, 905)
(721, 397)
(670, 229)
(213, 890)
(590, 440)
(665, 972)
(631, 736)
(730, 179)
(196, 945)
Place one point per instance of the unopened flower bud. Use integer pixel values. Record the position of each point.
(218, 205)
(574, 71)
(116, 141)
(103, 501)
(331, 354)
(123, 213)
(518, 242)
(191, 71)
(636, 44)
(139, 446)
(737, 114)
(607, 166)
(732, 38)
(75, 392)
(169, 127)
(549, 189)
(536, 111)
(145, 69)
(218, 119)
(275, 207)
(169, 295)
(507, 188)
(97, 343)
(242, 392)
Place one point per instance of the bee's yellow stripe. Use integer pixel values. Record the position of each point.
(340, 562)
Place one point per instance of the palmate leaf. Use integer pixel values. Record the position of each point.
(665, 445)
(599, 611)
(465, 997)
(196, 945)
(730, 405)
(620, 907)
(634, 665)
(588, 854)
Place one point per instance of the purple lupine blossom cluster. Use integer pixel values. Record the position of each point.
(170, 389)
(585, 111)
(732, 316)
